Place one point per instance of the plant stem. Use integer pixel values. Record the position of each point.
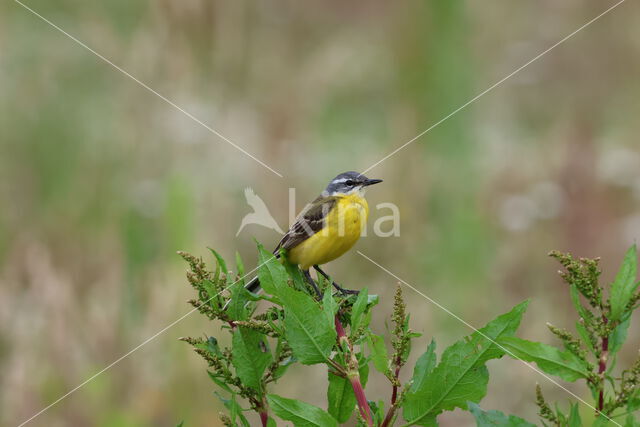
(602, 367)
(262, 410)
(353, 374)
(394, 397)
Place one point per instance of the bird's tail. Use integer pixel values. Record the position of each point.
(254, 285)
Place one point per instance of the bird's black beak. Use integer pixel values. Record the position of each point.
(371, 182)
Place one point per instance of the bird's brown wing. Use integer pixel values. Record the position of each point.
(309, 222)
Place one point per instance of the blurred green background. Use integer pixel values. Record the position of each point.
(102, 181)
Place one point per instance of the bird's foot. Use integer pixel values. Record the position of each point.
(344, 291)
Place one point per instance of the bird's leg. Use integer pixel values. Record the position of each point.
(312, 283)
(335, 285)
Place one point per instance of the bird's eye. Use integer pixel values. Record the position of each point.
(349, 182)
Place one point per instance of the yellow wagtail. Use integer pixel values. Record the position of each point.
(326, 228)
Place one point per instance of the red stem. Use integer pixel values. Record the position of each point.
(363, 405)
(340, 329)
(602, 367)
(264, 418)
(353, 375)
(394, 396)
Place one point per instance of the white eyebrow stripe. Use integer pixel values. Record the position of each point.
(338, 181)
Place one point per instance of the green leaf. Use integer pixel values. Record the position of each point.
(625, 284)
(300, 413)
(295, 273)
(329, 306)
(496, 418)
(424, 366)
(600, 421)
(575, 299)
(221, 265)
(239, 265)
(584, 335)
(272, 274)
(631, 421)
(550, 359)
(235, 411)
(283, 367)
(220, 383)
(237, 308)
(180, 424)
(619, 334)
(310, 332)
(358, 309)
(574, 416)
(461, 375)
(634, 401)
(341, 398)
(378, 353)
(251, 356)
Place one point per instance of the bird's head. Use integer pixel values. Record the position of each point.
(349, 182)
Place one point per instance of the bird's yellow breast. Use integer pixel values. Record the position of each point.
(341, 231)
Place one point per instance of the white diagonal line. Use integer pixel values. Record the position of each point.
(446, 310)
(133, 350)
(493, 86)
(144, 85)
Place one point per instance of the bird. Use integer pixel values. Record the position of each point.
(326, 228)
(260, 214)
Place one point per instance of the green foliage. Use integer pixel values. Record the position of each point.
(340, 397)
(250, 356)
(624, 285)
(293, 325)
(496, 418)
(300, 413)
(424, 366)
(550, 359)
(602, 329)
(461, 375)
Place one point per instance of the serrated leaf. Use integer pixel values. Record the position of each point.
(308, 329)
(496, 418)
(251, 356)
(300, 413)
(625, 284)
(272, 274)
(550, 359)
(461, 375)
(358, 309)
(342, 400)
(424, 366)
(237, 307)
(379, 354)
